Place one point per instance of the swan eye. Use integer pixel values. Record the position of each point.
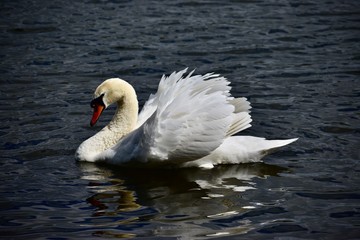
(97, 101)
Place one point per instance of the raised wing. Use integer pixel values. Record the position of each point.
(192, 117)
(152, 103)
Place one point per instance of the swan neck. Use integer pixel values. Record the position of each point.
(123, 122)
(125, 117)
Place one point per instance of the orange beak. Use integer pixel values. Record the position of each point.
(98, 109)
(98, 105)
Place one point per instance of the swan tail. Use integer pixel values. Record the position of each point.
(240, 149)
(257, 147)
(272, 145)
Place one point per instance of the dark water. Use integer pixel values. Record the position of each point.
(297, 61)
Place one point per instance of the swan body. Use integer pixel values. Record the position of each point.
(189, 122)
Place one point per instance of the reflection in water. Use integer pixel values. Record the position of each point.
(297, 61)
(108, 191)
(192, 198)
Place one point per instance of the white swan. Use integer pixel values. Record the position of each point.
(190, 121)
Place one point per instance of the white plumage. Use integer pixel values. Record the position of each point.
(188, 122)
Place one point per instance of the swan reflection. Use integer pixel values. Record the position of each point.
(135, 197)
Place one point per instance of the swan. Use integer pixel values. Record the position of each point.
(189, 122)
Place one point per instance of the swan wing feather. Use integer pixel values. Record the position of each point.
(192, 117)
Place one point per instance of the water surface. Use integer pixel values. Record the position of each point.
(297, 62)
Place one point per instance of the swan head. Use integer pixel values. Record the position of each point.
(110, 91)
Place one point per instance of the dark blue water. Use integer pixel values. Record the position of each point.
(297, 61)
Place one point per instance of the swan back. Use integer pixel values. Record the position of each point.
(186, 119)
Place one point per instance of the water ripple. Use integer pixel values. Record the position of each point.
(297, 62)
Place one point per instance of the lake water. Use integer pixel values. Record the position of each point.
(298, 62)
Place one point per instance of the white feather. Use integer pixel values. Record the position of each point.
(188, 122)
(240, 149)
